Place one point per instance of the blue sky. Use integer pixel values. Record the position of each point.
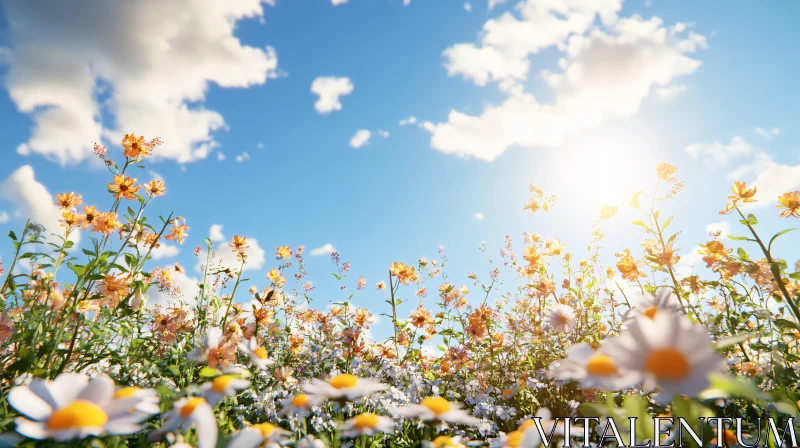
(400, 197)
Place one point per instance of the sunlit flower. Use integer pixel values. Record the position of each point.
(381, 285)
(344, 387)
(404, 273)
(129, 399)
(155, 188)
(68, 201)
(211, 341)
(135, 147)
(276, 277)
(258, 355)
(6, 327)
(742, 193)
(445, 442)
(649, 305)
(73, 406)
(283, 253)
(664, 171)
(608, 211)
(299, 405)
(191, 412)
(86, 219)
(635, 199)
(367, 424)
(254, 436)
(177, 232)
(123, 187)
(668, 351)
(791, 203)
(239, 244)
(222, 386)
(532, 205)
(592, 368)
(562, 318)
(437, 409)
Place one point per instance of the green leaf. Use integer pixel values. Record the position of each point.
(795, 276)
(174, 370)
(743, 254)
(739, 238)
(751, 219)
(641, 224)
(669, 220)
(208, 372)
(12, 235)
(733, 340)
(69, 244)
(724, 386)
(777, 235)
(784, 324)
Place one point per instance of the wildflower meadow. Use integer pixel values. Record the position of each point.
(546, 347)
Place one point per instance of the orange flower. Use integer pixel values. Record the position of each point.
(239, 244)
(87, 218)
(276, 277)
(155, 188)
(741, 193)
(178, 232)
(135, 147)
(406, 274)
(791, 202)
(123, 187)
(69, 219)
(608, 211)
(106, 223)
(629, 267)
(68, 201)
(532, 205)
(728, 208)
(665, 172)
(283, 252)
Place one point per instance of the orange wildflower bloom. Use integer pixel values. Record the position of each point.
(68, 201)
(123, 187)
(155, 188)
(791, 203)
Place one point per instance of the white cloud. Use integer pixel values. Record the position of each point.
(767, 133)
(326, 249)
(406, 2)
(479, 216)
(162, 252)
(723, 227)
(606, 72)
(718, 154)
(329, 90)
(338, 2)
(187, 285)
(155, 73)
(467, 7)
(226, 258)
(215, 233)
(493, 3)
(382, 133)
(4, 218)
(220, 156)
(669, 93)
(407, 121)
(32, 200)
(242, 157)
(773, 179)
(260, 146)
(360, 138)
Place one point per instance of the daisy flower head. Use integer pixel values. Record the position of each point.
(344, 387)
(444, 442)
(299, 405)
(72, 406)
(222, 386)
(128, 399)
(191, 412)
(669, 351)
(366, 424)
(258, 355)
(592, 369)
(210, 341)
(257, 435)
(437, 409)
(562, 318)
(648, 305)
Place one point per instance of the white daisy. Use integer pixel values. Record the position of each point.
(437, 409)
(592, 369)
(344, 387)
(256, 435)
(648, 304)
(258, 355)
(668, 351)
(211, 340)
(222, 386)
(366, 424)
(562, 318)
(299, 405)
(188, 412)
(444, 442)
(73, 406)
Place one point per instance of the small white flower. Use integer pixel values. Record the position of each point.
(649, 305)
(258, 355)
(444, 442)
(222, 386)
(669, 351)
(344, 387)
(562, 318)
(129, 399)
(210, 341)
(437, 409)
(367, 424)
(299, 405)
(188, 412)
(254, 436)
(592, 369)
(73, 406)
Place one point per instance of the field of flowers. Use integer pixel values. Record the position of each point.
(85, 361)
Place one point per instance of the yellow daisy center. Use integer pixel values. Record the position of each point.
(561, 321)
(365, 421)
(600, 364)
(344, 381)
(436, 404)
(261, 352)
(125, 392)
(191, 405)
(221, 383)
(265, 428)
(300, 401)
(667, 364)
(526, 424)
(507, 393)
(444, 441)
(514, 439)
(650, 312)
(78, 414)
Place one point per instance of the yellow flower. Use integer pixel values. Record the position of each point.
(178, 232)
(628, 267)
(276, 277)
(135, 147)
(68, 201)
(532, 205)
(123, 187)
(742, 193)
(69, 219)
(239, 244)
(608, 211)
(665, 172)
(106, 223)
(635, 199)
(155, 188)
(791, 202)
(283, 252)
